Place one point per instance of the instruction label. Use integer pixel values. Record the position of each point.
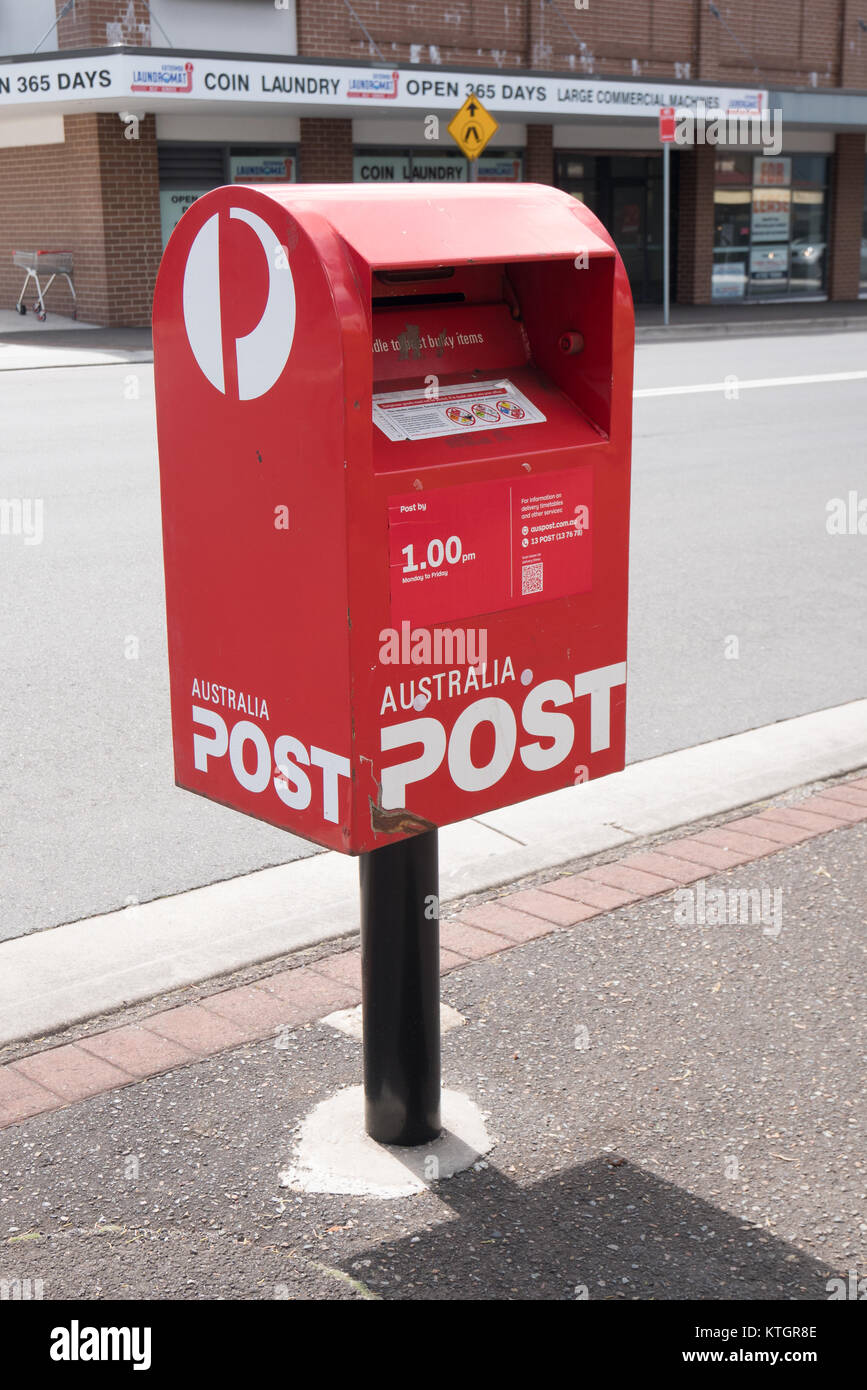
(483, 547)
(465, 408)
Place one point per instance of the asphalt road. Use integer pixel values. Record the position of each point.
(729, 541)
(704, 1142)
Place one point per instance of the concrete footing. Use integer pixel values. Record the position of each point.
(333, 1153)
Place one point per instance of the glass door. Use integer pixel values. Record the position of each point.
(625, 192)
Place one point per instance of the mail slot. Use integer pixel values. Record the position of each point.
(394, 437)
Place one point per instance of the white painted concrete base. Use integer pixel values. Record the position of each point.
(334, 1154)
(348, 1021)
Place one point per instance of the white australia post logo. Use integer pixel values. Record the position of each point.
(262, 353)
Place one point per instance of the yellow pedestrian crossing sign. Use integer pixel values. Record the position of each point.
(472, 127)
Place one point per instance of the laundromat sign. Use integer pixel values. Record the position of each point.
(158, 82)
(432, 168)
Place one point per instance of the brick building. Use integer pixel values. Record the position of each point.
(128, 111)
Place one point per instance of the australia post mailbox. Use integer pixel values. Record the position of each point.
(394, 436)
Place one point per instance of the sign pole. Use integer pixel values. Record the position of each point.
(666, 231)
(667, 133)
(400, 990)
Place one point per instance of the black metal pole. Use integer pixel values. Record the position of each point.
(400, 996)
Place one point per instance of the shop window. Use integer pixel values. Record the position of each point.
(864, 240)
(770, 226)
(809, 223)
(625, 193)
(189, 170)
(579, 175)
(186, 172)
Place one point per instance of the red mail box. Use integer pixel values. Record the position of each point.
(394, 436)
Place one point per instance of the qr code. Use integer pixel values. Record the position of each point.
(531, 579)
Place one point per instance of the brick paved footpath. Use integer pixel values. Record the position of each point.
(57, 1076)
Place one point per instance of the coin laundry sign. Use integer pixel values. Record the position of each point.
(199, 76)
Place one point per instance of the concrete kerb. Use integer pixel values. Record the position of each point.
(765, 328)
(68, 974)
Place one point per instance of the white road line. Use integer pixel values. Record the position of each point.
(735, 382)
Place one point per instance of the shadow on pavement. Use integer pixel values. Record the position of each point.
(608, 1227)
(84, 340)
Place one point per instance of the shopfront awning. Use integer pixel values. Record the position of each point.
(160, 80)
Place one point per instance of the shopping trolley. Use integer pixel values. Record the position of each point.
(51, 263)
